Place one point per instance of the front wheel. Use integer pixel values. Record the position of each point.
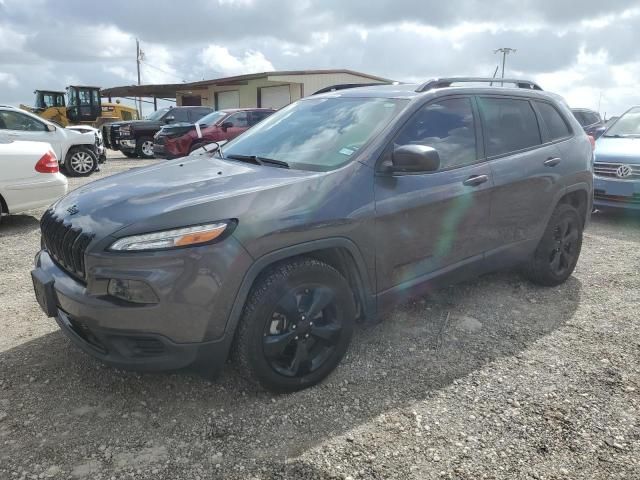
(557, 253)
(296, 326)
(144, 147)
(80, 162)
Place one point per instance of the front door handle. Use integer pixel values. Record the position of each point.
(475, 180)
(551, 162)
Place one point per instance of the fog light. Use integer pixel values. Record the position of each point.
(132, 291)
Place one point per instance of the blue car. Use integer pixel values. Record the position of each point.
(617, 164)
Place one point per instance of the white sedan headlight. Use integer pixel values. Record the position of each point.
(179, 237)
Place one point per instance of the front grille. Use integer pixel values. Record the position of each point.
(601, 195)
(115, 132)
(65, 244)
(609, 170)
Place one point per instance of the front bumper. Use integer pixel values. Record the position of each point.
(196, 289)
(613, 193)
(127, 145)
(159, 151)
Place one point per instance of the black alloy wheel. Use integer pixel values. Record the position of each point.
(558, 251)
(296, 325)
(303, 331)
(565, 250)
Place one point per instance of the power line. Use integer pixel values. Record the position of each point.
(147, 64)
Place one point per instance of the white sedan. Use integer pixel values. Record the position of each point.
(29, 176)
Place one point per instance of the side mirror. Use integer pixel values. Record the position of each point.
(226, 125)
(169, 119)
(51, 128)
(415, 158)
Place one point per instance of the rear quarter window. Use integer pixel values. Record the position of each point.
(509, 125)
(555, 124)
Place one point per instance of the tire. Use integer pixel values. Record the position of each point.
(130, 154)
(80, 162)
(557, 253)
(144, 147)
(284, 354)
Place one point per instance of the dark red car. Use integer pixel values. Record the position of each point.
(180, 139)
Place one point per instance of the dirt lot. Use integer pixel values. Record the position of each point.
(494, 378)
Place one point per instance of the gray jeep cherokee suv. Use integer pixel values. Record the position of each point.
(330, 211)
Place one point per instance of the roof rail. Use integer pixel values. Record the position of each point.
(344, 86)
(446, 82)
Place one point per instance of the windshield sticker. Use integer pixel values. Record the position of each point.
(346, 151)
(198, 131)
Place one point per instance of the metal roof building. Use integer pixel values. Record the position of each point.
(266, 89)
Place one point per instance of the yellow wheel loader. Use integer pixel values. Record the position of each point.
(83, 107)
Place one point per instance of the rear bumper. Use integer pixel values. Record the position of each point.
(35, 194)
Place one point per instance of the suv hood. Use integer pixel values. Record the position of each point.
(181, 127)
(172, 194)
(618, 150)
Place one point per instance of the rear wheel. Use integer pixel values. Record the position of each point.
(144, 147)
(296, 326)
(80, 162)
(557, 254)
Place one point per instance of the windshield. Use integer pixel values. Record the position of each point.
(212, 118)
(317, 133)
(627, 125)
(157, 115)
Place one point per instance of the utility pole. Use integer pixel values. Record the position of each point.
(505, 51)
(138, 58)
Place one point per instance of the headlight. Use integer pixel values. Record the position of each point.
(179, 237)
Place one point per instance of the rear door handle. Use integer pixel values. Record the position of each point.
(551, 162)
(475, 180)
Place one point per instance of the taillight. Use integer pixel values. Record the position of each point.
(48, 163)
(593, 142)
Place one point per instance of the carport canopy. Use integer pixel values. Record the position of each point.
(165, 90)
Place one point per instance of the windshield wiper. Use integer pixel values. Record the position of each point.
(259, 160)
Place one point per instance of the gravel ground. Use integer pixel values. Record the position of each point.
(494, 378)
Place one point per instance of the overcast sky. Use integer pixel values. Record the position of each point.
(585, 51)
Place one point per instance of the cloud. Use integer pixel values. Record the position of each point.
(577, 50)
(221, 62)
(8, 79)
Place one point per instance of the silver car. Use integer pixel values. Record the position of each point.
(617, 164)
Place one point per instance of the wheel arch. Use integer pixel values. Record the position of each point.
(578, 197)
(341, 253)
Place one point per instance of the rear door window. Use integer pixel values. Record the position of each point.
(509, 125)
(446, 125)
(557, 127)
